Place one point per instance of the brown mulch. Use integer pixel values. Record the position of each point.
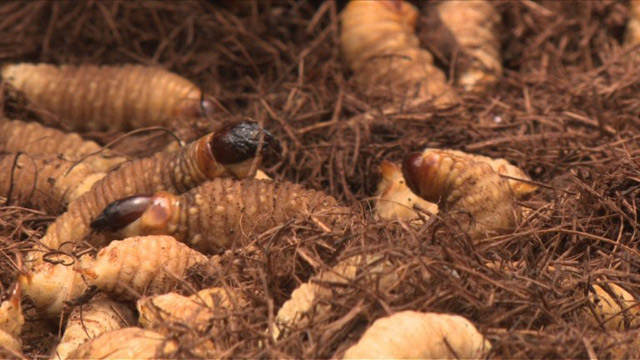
(567, 111)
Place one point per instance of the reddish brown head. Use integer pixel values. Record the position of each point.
(240, 141)
(121, 213)
(420, 175)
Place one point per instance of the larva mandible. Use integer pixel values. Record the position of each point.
(11, 322)
(127, 343)
(418, 335)
(481, 200)
(378, 42)
(229, 152)
(474, 25)
(219, 213)
(632, 35)
(100, 315)
(124, 270)
(45, 183)
(112, 98)
(34, 139)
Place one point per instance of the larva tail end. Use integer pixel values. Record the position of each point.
(412, 168)
(121, 213)
(240, 141)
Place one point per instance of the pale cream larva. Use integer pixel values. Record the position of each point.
(11, 323)
(127, 343)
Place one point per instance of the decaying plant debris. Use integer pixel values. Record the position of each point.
(566, 110)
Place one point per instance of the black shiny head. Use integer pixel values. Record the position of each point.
(121, 213)
(239, 141)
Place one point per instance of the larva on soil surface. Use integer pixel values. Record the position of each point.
(416, 335)
(91, 320)
(613, 307)
(111, 98)
(127, 343)
(11, 322)
(223, 212)
(44, 182)
(34, 139)
(473, 192)
(378, 42)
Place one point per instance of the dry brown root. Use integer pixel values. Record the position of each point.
(34, 139)
(632, 36)
(613, 307)
(223, 213)
(11, 322)
(480, 200)
(474, 25)
(394, 200)
(112, 98)
(127, 343)
(229, 152)
(86, 322)
(125, 270)
(379, 44)
(416, 335)
(46, 183)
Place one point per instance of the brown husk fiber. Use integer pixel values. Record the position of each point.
(567, 111)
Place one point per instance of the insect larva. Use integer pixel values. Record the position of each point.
(613, 307)
(632, 36)
(127, 343)
(472, 191)
(34, 139)
(229, 152)
(378, 42)
(11, 322)
(44, 182)
(108, 97)
(222, 212)
(416, 335)
(88, 321)
(394, 200)
(474, 25)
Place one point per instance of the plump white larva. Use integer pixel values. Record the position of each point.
(614, 307)
(416, 335)
(127, 343)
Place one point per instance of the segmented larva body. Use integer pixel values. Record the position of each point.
(417, 335)
(378, 42)
(34, 139)
(222, 212)
(632, 36)
(394, 200)
(108, 97)
(472, 191)
(127, 343)
(46, 183)
(11, 322)
(613, 307)
(99, 316)
(474, 25)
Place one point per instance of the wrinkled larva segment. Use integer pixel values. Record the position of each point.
(91, 320)
(127, 343)
(11, 322)
(379, 44)
(394, 200)
(111, 98)
(34, 139)
(223, 213)
(632, 36)
(44, 182)
(612, 307)
(144, 265)
(416, 335)
(473, 192)
(474, 25)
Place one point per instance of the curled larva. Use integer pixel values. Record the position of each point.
(34, 139)
(11, 322)
(91, 320)
(632, 35)
(378, 43)
(46, 183)
(229, 152)
(474, 25)
(613, 307)
(473, 192)
(394, 200)
(221, 212)
(113, 98)
(127, 343)
(416, 335)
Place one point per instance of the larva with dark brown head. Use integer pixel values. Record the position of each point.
(112, 98)
(378, 42)
(473, 192)
(34, 139)
(127, 343)
(219, 213)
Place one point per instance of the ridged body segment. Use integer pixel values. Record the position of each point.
(106, 97)
(127, 343)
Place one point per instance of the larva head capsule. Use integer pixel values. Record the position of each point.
(121, 213)
(423, 176)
